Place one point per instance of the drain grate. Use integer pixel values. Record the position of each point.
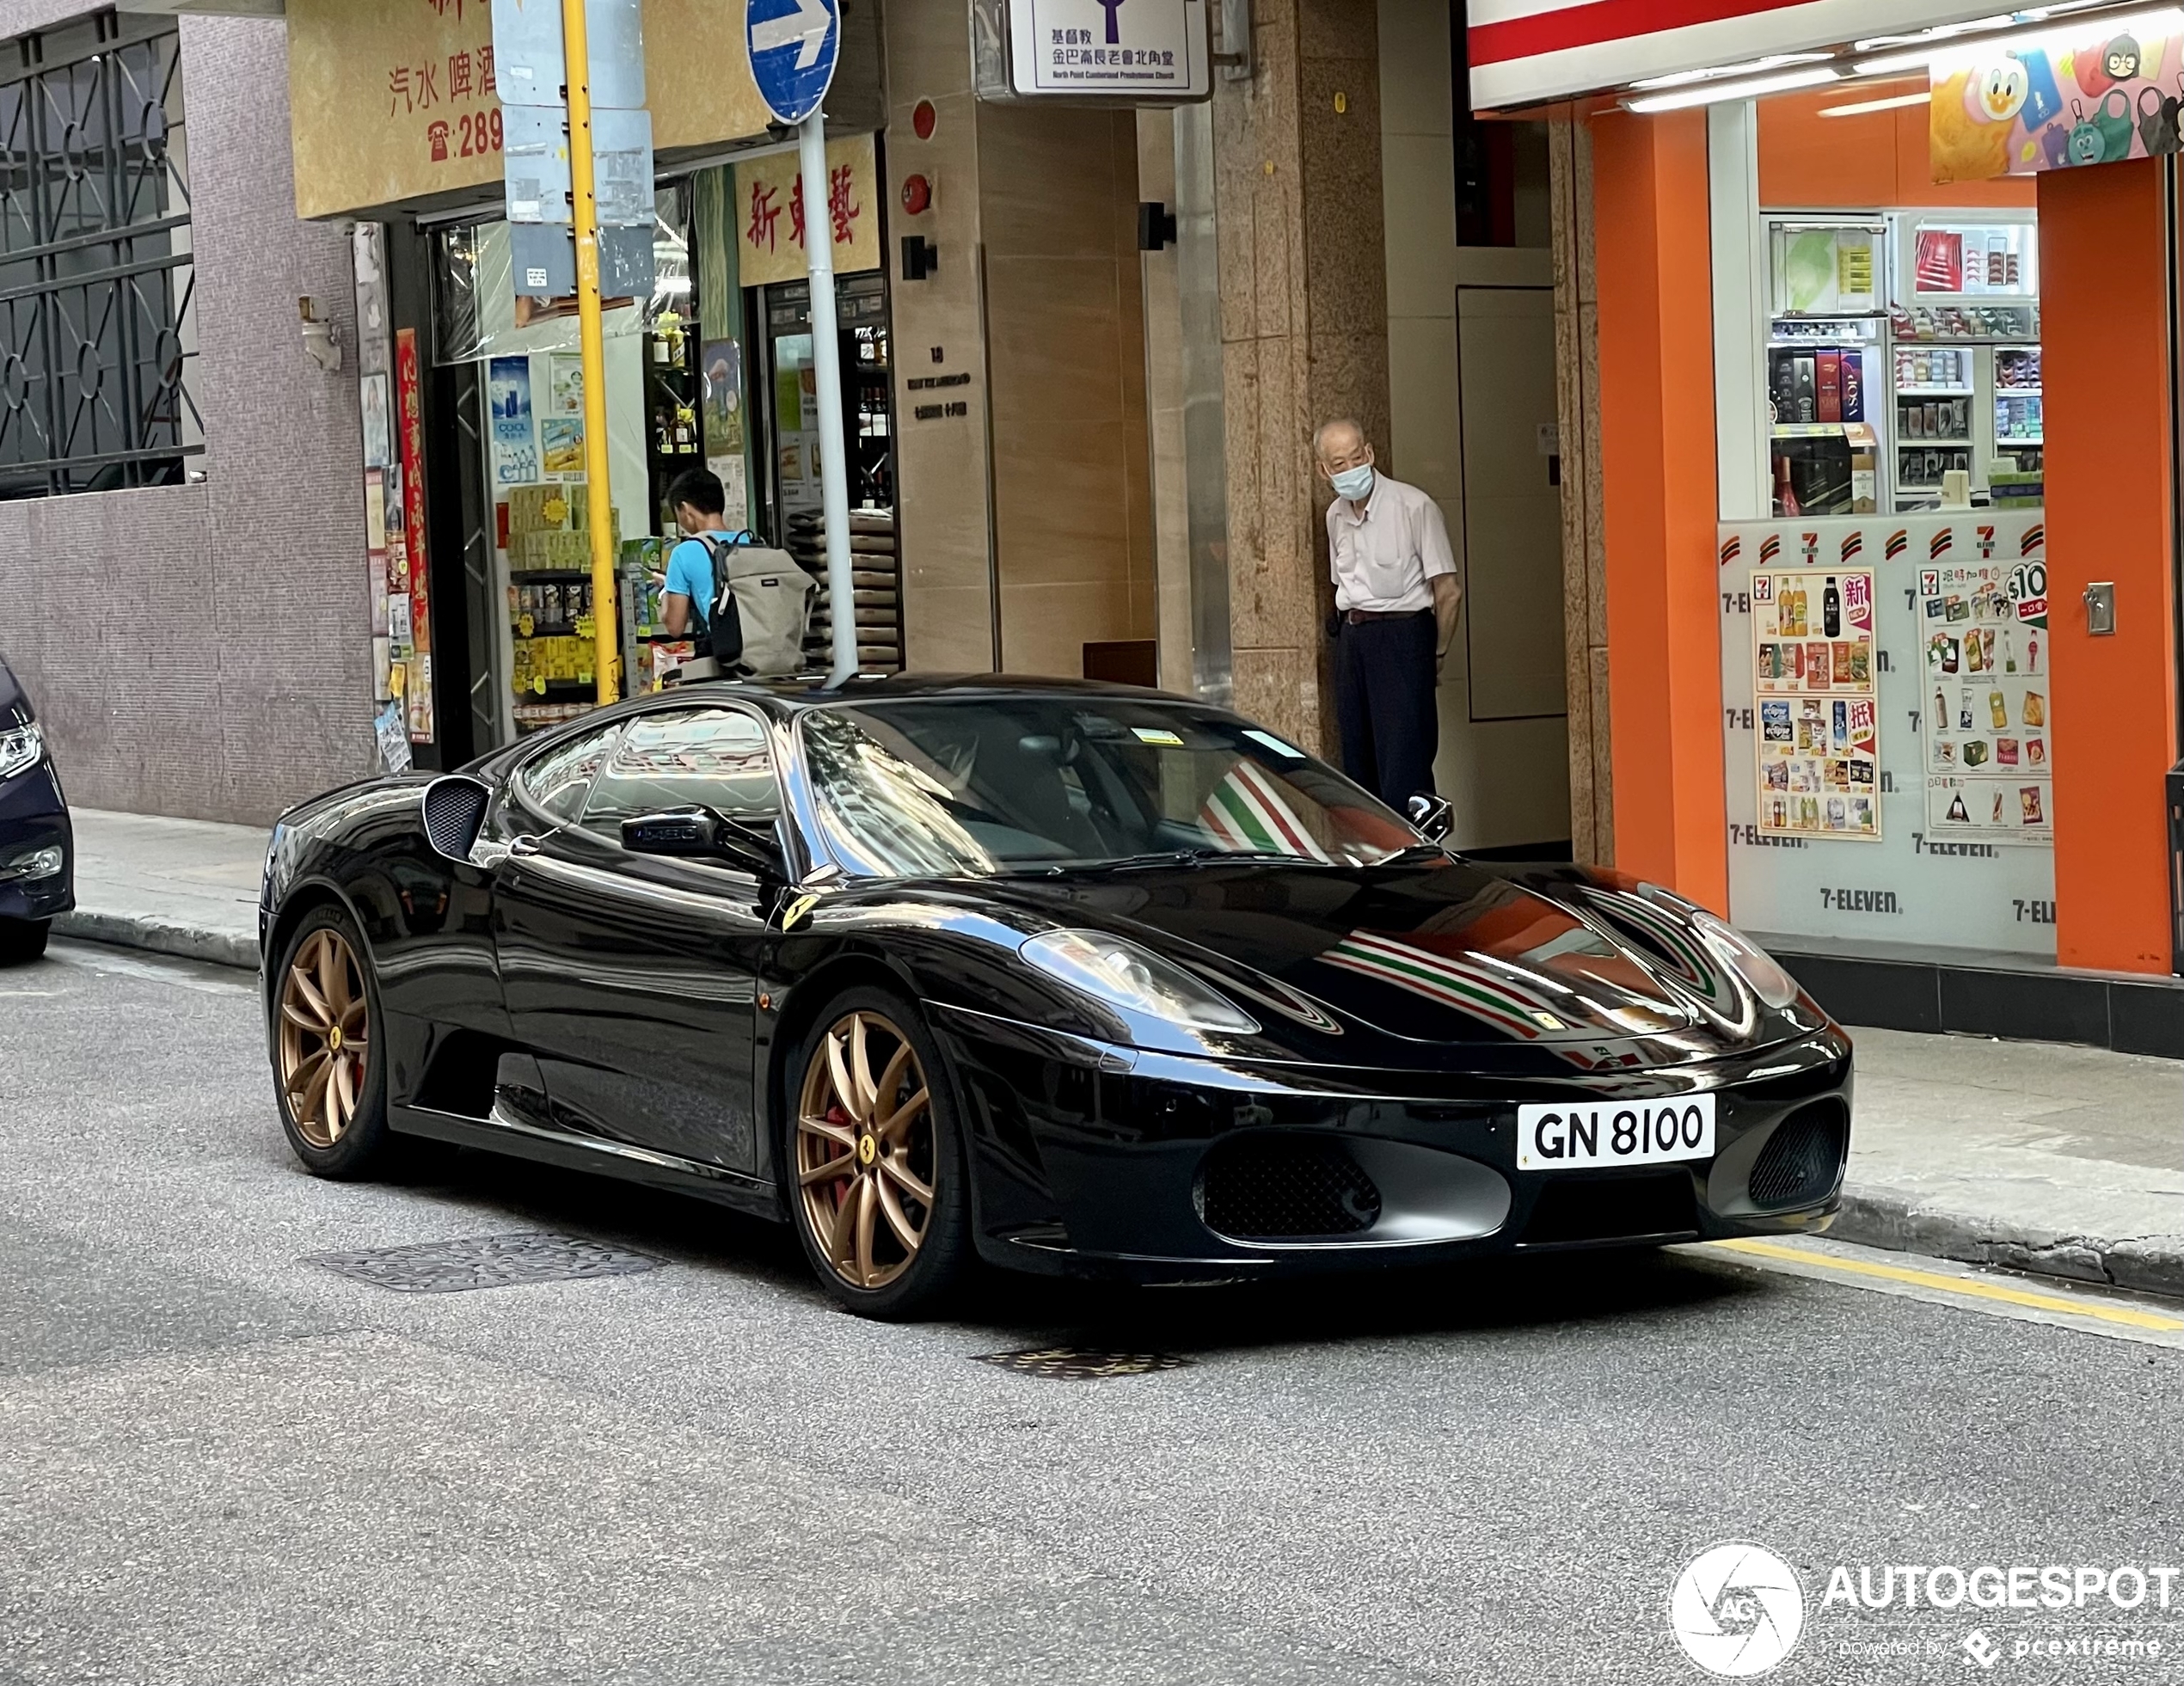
(1079, 1363)
(485, 1261)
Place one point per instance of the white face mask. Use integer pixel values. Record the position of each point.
(1355, 484)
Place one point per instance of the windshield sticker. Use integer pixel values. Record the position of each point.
(1160, 735)
(1274, 744)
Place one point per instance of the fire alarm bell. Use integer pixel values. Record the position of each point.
(918, 194)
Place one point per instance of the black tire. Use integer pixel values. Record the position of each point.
(362, 1144)
(936, 1268)
(22, 941)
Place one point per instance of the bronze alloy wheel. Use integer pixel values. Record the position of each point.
(325, 1031)
(865, 1159)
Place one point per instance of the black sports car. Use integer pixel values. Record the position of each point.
(1075, 976)
(37, 844)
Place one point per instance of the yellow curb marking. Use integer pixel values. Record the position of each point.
(1970, 1287)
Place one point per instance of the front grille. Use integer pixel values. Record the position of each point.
(1804, 1156)
(1576, 1208)
(1286, 1188)
(454, 810)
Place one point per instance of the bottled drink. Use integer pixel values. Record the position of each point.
(1830, 610)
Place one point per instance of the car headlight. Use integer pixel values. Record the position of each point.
(1751, 962)
(1121, 973)
(22, 748)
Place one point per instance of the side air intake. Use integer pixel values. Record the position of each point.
(454, 813)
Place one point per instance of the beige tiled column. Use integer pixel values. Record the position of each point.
(1584, 593)
(1303, 328)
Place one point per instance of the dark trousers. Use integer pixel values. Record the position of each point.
(1384, 704)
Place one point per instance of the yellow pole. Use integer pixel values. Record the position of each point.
(606, 623)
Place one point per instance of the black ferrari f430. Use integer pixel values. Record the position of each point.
(1070, 977)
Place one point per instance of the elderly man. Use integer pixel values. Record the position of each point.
(1396, 600)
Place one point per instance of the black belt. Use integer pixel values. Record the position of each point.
(1358, 617)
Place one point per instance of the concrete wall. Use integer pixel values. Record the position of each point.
(1304, 331)
(1505, 771)
(204, 650)
(1035, 506)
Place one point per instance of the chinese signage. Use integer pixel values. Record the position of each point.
(772, 210)
(1523, 51)
(400, 99)
(2092, 95)
(411, 591)
(1816, 703)
(1148, 48)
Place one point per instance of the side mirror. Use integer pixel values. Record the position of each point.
(1435, 816)
(699, 833)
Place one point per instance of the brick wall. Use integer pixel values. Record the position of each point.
(204, 650)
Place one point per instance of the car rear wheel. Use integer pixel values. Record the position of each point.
(329, 1069)
(22, 940)
(878, 1183)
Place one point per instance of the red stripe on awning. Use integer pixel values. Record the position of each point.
(1598, 21)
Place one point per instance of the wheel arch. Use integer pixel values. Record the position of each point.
(801, 1004)
(298, 904)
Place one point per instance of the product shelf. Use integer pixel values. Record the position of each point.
(1939, 391)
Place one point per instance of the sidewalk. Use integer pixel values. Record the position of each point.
(175, 887)
(2034, 1155)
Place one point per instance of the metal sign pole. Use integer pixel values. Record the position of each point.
(826, 360)
(599, 492)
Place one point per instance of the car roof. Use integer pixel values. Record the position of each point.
(803, 693)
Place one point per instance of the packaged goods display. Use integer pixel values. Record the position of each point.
(1818, 746)
(1935, 373)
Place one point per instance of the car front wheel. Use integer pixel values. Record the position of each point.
(879, 1192)
(22, 941)
(329, 1069)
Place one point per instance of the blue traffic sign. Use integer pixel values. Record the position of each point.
(794, 45)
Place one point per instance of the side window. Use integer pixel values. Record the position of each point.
(719, 758)
(557, 780)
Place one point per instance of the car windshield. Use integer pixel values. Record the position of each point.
(1006, 784)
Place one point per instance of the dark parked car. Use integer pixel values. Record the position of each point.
(1075, 978)
(37, 848)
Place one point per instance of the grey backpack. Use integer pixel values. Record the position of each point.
(769, 597)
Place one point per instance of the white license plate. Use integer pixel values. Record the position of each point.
(1615, 1132)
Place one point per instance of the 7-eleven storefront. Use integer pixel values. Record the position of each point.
(1887, 335)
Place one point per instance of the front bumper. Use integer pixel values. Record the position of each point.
(33, 816)
(1105, 1160)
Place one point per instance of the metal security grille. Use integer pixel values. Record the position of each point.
(98, 326)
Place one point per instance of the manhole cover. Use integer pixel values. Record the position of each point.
(1079, 1363)
(485, 1261)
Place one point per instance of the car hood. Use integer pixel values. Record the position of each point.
(1452, 953)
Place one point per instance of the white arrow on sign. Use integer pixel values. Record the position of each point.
(806, 26)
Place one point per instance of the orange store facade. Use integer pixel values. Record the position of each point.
(1886, 407)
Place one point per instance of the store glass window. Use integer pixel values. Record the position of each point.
(98, 328)
(1903, 362)
(1890, 709)
(717, 758)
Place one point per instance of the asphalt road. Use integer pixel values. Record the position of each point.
(220, 1463)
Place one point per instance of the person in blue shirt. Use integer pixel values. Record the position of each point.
(700, 505)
